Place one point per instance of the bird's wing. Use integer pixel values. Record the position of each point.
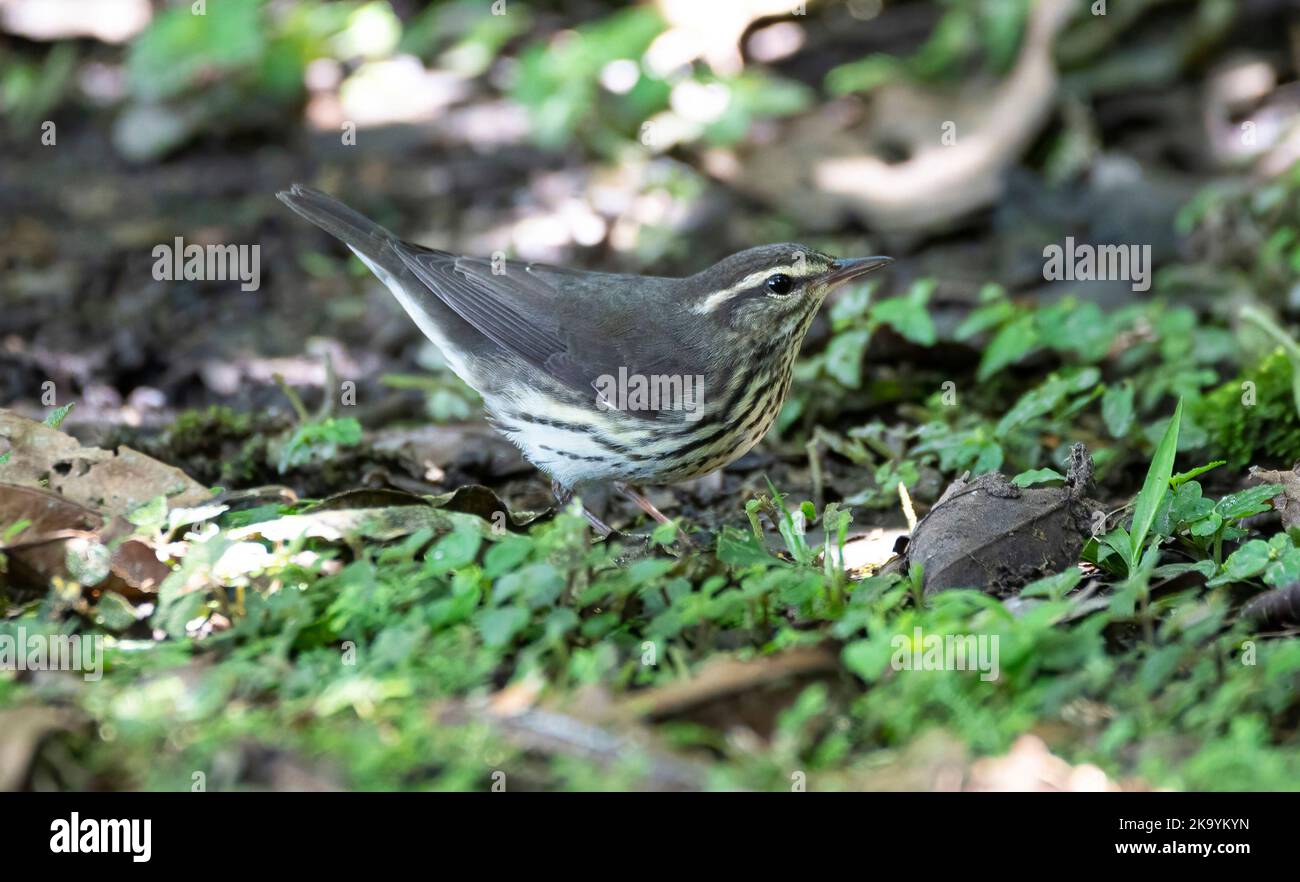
(574, 325)
(498, 307)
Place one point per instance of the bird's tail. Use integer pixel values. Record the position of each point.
(371, 241)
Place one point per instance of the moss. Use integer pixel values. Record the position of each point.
(1243, 432)
(204, 432)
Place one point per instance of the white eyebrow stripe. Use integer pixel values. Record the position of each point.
(716, 299)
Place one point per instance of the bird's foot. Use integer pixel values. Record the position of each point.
(563, 495)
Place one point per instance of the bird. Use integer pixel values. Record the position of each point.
(607, 378)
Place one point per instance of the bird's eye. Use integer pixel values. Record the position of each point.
(779, 283)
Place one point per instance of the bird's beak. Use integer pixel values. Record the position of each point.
(848, 269)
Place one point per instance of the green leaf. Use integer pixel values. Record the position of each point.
(1187, 506)
(1011, 344)
(318, 441)
(844, 357)
(14, 530)
(559, 622)
(499, 626)
(1081, 328)
(539, 584)
(1156, 485)
(863, 74)
(1047, 397)
(1183, 477)
(179, 48)
(1206, 526)
(56, 417)
(1054, 587)
(741, 548)
(88, 564)
(908, 315)
(791, 530)
(985, 318)
(1251, 501)
(852, 304)
(506, 554)
(1285, 570)
(1118, 541)
(664, 534)
(1037, 476)
(457, 549)
(1117, 409)
(1168, 571)
(867, 658)
(755, 95)
(1246, 562)
(114, 612)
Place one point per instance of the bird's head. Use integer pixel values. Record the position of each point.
(772, 288)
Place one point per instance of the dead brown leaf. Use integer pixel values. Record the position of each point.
(1287, 503)
(1278, 608)
(57, 526)
(111, 483)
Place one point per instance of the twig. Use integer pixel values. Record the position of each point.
(303, 416)
(908, 511)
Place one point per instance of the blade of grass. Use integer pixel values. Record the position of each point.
(1155, 486)
(791, 532)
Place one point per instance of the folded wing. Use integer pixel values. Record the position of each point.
(576, 326)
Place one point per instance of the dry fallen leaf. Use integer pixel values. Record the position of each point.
(111, 483)
(1287, 503)
(56, 527)
(348, 525)
(1275, 609)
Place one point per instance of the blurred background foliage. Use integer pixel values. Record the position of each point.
(593, 81)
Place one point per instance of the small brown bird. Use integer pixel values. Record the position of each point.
(600, 377)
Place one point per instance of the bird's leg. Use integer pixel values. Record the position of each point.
(562, 496)
(641, 502)
(649, 508)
